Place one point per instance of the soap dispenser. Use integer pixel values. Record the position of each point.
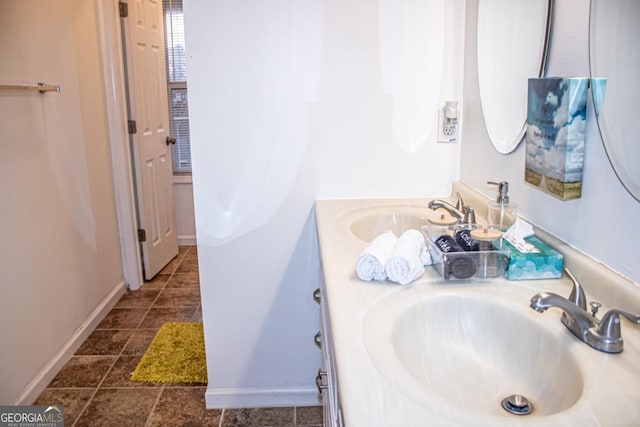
(501, 213)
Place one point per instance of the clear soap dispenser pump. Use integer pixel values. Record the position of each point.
(501, 213)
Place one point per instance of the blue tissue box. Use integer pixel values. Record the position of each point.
(545, 264)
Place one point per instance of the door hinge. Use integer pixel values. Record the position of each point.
(132, 126)
(142, 235)
(124, 9)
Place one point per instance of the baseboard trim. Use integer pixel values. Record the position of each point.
(187, 240)
(44, 377)
(221, 398)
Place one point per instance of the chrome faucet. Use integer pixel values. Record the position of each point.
(603, 335)
(453, 211)
(462, 212)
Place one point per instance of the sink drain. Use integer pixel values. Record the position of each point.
(517, 404)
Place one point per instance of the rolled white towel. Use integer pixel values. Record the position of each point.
(370, 264)
(406, 262)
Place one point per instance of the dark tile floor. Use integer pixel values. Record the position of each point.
(94, 385)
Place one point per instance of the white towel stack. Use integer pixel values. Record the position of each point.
(406, 262)
(370, 265)
(400, 260)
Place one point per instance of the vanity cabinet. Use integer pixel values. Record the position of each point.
(327, 380)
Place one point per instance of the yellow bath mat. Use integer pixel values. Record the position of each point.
(176, 355)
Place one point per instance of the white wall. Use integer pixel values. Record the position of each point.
(601, 223)
(60, 258)
(185, 216)
(291, 101)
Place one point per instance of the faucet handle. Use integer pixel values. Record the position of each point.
(577, 295)
(469, 215)
(610, 324)
(460, 205)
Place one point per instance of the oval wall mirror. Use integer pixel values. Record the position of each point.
(614, 55)
(512, 47)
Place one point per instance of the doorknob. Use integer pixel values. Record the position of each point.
(171, 140)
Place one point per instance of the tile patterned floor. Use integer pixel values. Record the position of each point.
(94, 385)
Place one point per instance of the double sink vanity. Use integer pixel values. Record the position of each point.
(461, 353)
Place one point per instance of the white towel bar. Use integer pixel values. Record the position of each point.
(40, 87)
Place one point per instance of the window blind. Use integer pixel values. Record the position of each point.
(177, 84)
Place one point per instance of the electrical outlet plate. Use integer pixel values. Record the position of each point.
(446, 133)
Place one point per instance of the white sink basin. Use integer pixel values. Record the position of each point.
(367, 224)
(467, 351)
(436, 353)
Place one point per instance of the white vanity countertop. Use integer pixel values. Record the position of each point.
(369, 397)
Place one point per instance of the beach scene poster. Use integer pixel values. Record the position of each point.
(555, 135)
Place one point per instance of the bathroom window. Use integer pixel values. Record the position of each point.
(177, 84)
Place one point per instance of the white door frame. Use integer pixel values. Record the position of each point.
(108, 18)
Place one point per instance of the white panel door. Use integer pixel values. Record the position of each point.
(147, 91)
